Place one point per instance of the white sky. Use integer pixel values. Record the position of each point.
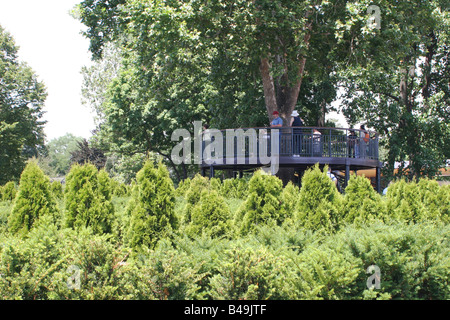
(51, 44)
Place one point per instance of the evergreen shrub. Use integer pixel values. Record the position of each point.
(88, 199)
(192, 195)
(262, 205)
(361, 203)
(151, 207)
(210, 215)
(320, 203)
(9, 191)
(57, 189)
(34, 200)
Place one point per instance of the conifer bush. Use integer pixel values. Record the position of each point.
(412, 258)
(235, 188)
(414, 201)
(290, 197)
(151, 208)
(320, 203)
(163, 274)
(210, 216)
(192, 195)
(252, 273)
(42, 265)
(263, 203)
(182, 187)
(34, 200)
(443, 198)
(9, 191)
(362, 203)
(215, 184)
(88, 199)
(57, 189)
(429, 196)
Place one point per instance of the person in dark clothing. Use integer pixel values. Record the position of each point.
(352, 140)
(296, 121)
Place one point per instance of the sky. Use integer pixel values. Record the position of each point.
(51, 44)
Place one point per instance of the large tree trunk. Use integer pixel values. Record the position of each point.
(269, 87)
(282, 95)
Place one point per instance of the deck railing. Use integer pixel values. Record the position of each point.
(294, 142)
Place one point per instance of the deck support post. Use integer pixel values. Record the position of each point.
(347, 175)
(378, 177)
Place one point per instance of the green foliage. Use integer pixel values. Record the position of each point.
(192, 195)
(210, 216)
(9, 191)
(290, 198)
(57, 189)
(41, 266)
(164, 274)
(151, 208)
(443, 198)
(252, 274)
(22, 98)
(59, 153)
(413, 259)
(34, 200)
(320, 202)
(120, 189)
(362, 204)
(208, 258)
(263, 203)
(183, 187)
(235, 188)
(416, 201)
(410, 106)
(88, 199)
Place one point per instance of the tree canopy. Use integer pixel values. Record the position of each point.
(22, 97)
(232, 63)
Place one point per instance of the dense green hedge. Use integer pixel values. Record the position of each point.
(203, 241)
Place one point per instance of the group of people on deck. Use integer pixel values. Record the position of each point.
(357, 145)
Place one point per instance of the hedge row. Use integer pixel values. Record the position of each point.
(187, 243)
(273, 263)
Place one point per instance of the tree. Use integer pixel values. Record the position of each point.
(21, 101)
(59, 152)
(263, 204)
(34, 200)
(88, 199)
(87, 154)
(396, 80)
(320, 202)
(235, 62)
(229, 63)
(210, 216)
(362, 204)
(151, 208)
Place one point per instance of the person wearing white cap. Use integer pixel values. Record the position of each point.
(296, 121)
